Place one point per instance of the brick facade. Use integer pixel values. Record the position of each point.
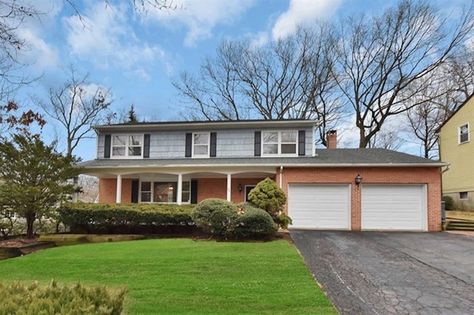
(108, 188)
(373, 175)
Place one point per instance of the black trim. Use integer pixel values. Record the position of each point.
(258, 143)
(301, 142)
(135, 184)
(213, 149)
(194, 191)
(146, 146)
(107, 146)
(189, 143)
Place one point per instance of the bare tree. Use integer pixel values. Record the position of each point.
(387, 139)
(289, 78)
(77, 106)
(385, 61)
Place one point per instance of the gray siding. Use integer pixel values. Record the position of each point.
(230, 143)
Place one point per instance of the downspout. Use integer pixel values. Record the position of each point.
(281, 176)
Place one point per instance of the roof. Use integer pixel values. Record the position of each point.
(455, 112)
(324, 158)
(206, 124)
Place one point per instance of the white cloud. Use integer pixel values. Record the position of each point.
(302, 13)
(38, 53)
(200, 17)
(259, 40)
(104, 37)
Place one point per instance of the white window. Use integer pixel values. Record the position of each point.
(280, 142)
(248, 188)
(127, 145)
(164, 192)
(463, 133)
(201, 144)
(463, 195)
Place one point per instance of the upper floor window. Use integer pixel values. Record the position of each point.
(280, 142)
(463, 133)
(127, 145)
(201, 144)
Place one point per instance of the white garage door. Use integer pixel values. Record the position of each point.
(319, 206)
(394, 207)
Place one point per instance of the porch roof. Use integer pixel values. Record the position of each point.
(323, 158)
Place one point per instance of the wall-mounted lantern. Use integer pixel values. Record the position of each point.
(358, 179)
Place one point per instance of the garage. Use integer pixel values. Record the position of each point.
(393, 207)
(314, 206)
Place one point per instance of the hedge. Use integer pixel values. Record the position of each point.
(215, 216)
(124, 218)
(29, 299)
(253, 223)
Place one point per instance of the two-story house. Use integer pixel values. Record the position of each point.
(457, 150)
(187, 162)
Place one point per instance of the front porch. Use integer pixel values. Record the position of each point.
(178, 188)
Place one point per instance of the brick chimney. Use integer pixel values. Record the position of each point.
(331, 139)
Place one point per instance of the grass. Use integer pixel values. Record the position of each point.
(183, 276)
(463, 215)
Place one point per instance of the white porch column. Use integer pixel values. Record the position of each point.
(179, 196)
(229, 187)
(118, 194)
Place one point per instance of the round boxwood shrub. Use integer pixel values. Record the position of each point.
(268, 196)
(215, 216)
(448, 202)
(253, 223)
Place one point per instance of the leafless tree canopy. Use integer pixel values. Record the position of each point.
(77, 106)
(289, 78)
(387, 61)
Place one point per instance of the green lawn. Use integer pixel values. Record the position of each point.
(184, 276)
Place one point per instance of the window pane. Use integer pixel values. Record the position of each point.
(146, 186)
(119, 140)
(164, 192)
(135, 140)
(201, 138)
(118, 151)
(270, 148)
(186, 186)
(288, 136)
(270, 137)
(146, 196)
(185, 196)
(134, 151)
(288, 148)
(200, 150)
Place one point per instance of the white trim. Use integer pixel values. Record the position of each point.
(468, 133)
(229, 187)
(245, 191)
(127, 145)
(118, 192)
(179, 187)
(279, 144)
(208, 145)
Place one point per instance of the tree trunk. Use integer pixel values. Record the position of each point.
(30, 220)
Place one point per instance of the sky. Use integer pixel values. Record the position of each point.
(137, 55)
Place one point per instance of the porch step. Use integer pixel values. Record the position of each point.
(465, 225)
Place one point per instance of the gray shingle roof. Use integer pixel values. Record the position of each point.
(324, 157)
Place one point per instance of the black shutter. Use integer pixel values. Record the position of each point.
(258, 143)
(135, 184)
(213, 150)
(107, 145)
(301, 142)
(146, 146)
(194, 191)
(189, 143)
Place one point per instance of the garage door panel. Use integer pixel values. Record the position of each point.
(393, 207)
(319, 206)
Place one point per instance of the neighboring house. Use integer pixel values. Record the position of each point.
(187, 162)
(457, 150)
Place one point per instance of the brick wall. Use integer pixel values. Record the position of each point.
(429, 176)
(217, 188)
(108, 188)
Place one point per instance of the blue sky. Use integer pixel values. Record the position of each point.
(137, 56)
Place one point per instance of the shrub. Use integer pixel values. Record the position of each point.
(448, 202)
(112, 218)
(253, 223)
(282, 220)
(20, 298)
(268, 196)
(216, 216)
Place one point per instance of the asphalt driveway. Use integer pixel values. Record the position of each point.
(392, 273)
